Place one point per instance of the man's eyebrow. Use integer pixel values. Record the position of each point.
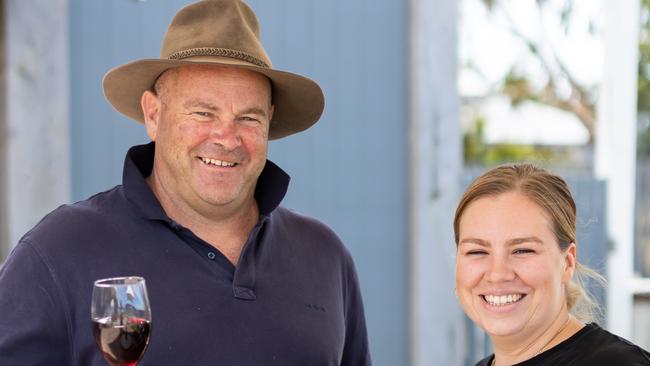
(256, 110)
(210, 106)
(201, 104)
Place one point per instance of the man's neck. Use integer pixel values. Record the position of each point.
(228, 235)
(224, 227)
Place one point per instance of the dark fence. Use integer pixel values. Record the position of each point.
(642, 224)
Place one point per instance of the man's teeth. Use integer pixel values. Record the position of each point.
(218, 162)
(502, 300)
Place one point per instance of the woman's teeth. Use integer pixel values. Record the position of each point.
(502, 300)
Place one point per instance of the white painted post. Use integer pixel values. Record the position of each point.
(615, 155)
(36, 147)
(435, 165)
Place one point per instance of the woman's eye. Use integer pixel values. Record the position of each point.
(523, 251)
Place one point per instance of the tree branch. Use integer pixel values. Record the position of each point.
(578, 101)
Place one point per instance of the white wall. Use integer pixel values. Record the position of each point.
(641, 331)
(36, 159)
(615, 157)
(436, 161)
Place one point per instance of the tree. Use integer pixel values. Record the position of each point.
(558, 87)
(643, 96)
(580, 100)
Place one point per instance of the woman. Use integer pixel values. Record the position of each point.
(517, 275)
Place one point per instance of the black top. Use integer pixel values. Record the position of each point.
(590, 346)
(293, 298)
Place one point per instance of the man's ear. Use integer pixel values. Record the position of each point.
(569, 263)
(151, 108)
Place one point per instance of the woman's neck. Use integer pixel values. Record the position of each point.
(509, 351)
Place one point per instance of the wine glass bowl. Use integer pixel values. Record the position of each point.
(121, 318)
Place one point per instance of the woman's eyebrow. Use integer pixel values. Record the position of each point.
(509, 242)
(477, 241)
(527, 239)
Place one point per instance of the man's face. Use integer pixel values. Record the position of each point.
(211, 126)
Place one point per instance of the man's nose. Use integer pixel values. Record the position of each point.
(224, 131)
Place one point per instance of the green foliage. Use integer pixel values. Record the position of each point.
(473, 145)
(477, 152)
(518, 88)
(565, 16)
(643, 93)
(643, 101)
(643, 143)
(489, 3)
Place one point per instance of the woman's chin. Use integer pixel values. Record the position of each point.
(500, 328)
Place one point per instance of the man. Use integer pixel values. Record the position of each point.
(233, 278)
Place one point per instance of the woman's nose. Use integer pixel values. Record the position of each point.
(500, 269)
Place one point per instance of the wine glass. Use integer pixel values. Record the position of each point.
(121, 319)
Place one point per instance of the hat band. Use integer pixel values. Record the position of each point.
(222, 52)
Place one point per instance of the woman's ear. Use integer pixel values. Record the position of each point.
(151, 107)
(569, 263)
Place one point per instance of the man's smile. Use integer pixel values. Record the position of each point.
(217, 162)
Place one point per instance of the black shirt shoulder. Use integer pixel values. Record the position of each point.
(68, 223)
(314, 232)
(486, 361)
(590, 346)
(605, 348)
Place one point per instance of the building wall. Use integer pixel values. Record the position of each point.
(436, 321)
(4, 141)
(35, 143)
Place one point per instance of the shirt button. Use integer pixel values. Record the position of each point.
(211, 255)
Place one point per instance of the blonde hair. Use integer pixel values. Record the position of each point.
(552, 194)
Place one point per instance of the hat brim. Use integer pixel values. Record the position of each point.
(298, 101)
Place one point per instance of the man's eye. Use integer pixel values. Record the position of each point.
(476, 252)
(202, 114)
(249, 119)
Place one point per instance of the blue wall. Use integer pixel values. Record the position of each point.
(350, 170)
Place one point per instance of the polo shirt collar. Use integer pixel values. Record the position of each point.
(271, 187)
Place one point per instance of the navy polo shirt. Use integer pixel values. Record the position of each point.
(292, 299)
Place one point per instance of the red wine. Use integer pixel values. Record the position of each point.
(122, 344)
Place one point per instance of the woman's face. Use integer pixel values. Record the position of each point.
(510, 270)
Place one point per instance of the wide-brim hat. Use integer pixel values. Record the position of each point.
(218, 32)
